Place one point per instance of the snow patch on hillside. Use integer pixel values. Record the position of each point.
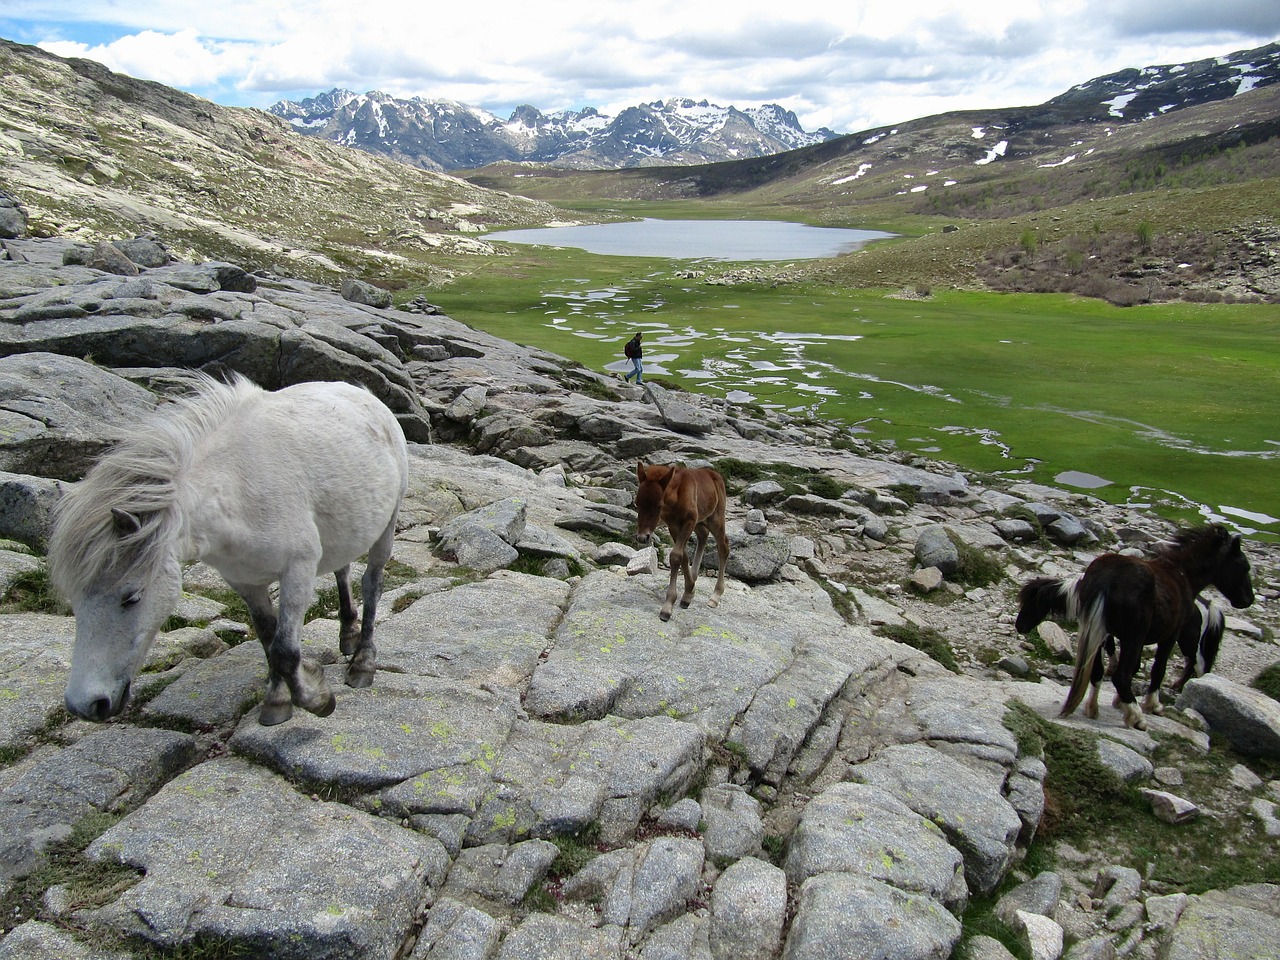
(997, 151)
(862, 169)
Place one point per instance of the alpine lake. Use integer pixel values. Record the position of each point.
(1173, 405)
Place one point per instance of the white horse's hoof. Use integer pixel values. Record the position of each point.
(273, 713)
(325, 707)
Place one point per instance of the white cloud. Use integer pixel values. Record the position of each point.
(179, 59)
(849, 66)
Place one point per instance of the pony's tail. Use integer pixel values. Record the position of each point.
(1212, 626)
(1046, 597)
(1093, 633)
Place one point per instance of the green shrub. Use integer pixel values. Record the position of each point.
(827, 487)
(978, 567)
(1268, 681)
(926, 640)
(31, 592)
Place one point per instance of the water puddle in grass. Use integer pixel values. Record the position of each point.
(1085, 481)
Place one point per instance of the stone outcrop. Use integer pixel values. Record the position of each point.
(542, 767)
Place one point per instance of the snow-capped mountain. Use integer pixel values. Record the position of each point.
(446, 135)
(1139, 94)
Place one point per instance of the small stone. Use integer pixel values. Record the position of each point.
(1013, 665)
(1171, 808)
(926, 580)
(644, 561)
(1243, 778)
(1169, 776)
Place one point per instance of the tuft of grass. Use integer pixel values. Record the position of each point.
(540, 900)
(978, 567)
(575, 852)
(827, 487)
(89, 884)
(397, 573)
(739, 473)
(1023, 512)
(927, 640)
(1268, 681)
(324, 605)
(405, 601)
(31, 592)
(980, 920)
(906, 493)
(1091, 808)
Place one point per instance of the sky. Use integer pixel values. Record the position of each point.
(848, 65)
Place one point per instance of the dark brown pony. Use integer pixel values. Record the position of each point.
(1141, 602)
(686, 500)
(1199, 640)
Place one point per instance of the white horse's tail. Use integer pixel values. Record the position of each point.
(1093, 633)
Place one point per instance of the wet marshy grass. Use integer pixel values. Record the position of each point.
(1173, 404)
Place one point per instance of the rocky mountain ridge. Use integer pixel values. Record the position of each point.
(439, 134)
(446, 135)
(542, 767)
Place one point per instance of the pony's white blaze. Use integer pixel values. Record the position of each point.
(265, 488)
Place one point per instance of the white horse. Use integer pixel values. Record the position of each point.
(265, 488)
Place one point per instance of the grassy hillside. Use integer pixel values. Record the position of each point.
(94, 154)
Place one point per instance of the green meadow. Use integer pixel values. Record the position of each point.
(1176, 405)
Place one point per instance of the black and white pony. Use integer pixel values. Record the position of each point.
(1133, 602)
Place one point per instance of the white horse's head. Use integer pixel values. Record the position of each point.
(118, 615)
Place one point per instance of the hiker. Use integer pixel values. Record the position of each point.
(633, 353)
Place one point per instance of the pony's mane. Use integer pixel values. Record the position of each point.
(139, 476)
(1209, 537)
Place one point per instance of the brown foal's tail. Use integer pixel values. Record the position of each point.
(1093, 633)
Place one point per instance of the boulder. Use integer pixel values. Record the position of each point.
(145, 251)
(859, 829)
(102, 773)
(359, 291)
(748, 910)
(677, 413)
(1247, 718)
(485, 539)
(883, 921)
(25, 506)
(109, 258)
(935, 548)
(763, 493)
(13, 219)
(60, 414)
(734, 828)
(971, 812)
(1243, 921)
(353, 888)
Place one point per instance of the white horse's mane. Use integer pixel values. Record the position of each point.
(140, 476)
